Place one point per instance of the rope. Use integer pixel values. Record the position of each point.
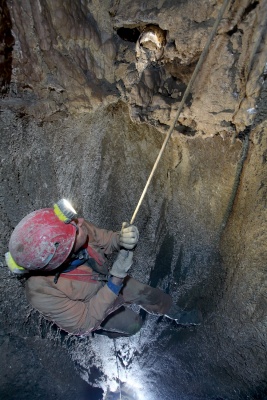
(186, 93)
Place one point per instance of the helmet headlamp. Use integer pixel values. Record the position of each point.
(64, 211)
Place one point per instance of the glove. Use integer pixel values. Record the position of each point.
(122, 264)
(129, 236)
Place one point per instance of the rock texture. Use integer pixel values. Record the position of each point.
(74, 56)
(87, 95)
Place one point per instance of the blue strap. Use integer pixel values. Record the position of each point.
(114, 288)
(78, 259)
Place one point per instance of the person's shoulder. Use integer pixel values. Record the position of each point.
(35, 282)
(92, 229)
(90, 224)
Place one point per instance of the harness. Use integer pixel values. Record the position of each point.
(81, 275)
(82, 257)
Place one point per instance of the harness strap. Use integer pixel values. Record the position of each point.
(83, 276)
(84, 256)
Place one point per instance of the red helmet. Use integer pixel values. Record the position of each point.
(42, 241)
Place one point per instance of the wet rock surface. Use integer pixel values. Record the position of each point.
(86, 99)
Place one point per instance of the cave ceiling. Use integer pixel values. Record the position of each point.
(76, 56)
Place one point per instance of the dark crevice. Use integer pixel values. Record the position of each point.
(242, 135)
(232, 127)
(6, 48)
(249, 8)
(234, 30)
(185, 130)
(129, 34)
(226, 111)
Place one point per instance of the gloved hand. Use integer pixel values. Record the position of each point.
(129, 236)
(122, 264)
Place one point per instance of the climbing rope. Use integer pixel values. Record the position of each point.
(186, 93)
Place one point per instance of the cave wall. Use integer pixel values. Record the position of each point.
(83, 113)
(103, 170)
(244, 252)
(75, 56)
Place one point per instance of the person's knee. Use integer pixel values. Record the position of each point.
(135, 325)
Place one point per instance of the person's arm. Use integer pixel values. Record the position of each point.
(109, 241)
(105, 239)
(119, 270)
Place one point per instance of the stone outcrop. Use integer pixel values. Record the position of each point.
(75, 57)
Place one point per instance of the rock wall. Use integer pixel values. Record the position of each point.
(75, 56)
(86, 99)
